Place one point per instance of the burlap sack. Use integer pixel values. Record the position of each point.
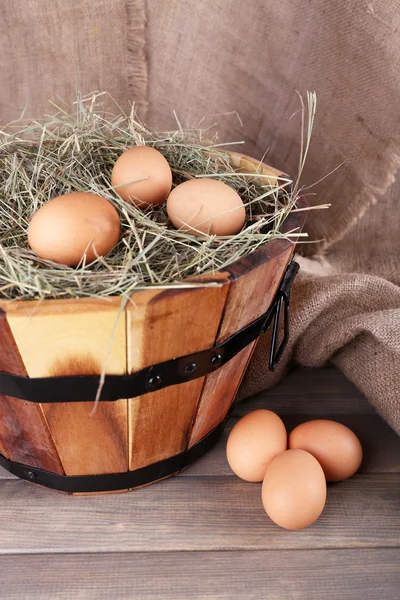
(52, 49)
(205, 58)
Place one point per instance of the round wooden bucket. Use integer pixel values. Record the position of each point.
(68, 445)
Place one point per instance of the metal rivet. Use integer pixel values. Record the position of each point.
(31, 475)
(154, 381)
(216, 359)
(190, 368)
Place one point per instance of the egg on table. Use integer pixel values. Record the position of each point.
(253, 442)
(73, 227)
(206, 206)
(294, 489)
(335, 446)
(142, 175)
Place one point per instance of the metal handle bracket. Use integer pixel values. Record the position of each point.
(282, 300)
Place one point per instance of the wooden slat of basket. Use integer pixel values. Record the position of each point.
(255, 281)
(164, 325)
(73, 337)
(24, 435)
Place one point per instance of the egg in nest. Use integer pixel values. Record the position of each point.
(75, 227)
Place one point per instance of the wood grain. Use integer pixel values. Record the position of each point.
(254, 282)
(164, 325)
(71, 337)
(205, 513)
(24, 435)
(315, 392)
(311, 575)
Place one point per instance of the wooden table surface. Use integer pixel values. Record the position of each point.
(204, 534)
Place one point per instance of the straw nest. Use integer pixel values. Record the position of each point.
(76, 151)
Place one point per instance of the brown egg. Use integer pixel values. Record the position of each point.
(253, 442)
(147, 165)
(206, 206)
(335, 446)
(67, 227)
(294, 489)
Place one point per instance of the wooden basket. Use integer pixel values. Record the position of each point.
(72, 337)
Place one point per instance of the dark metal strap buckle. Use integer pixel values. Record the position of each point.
(282, 299)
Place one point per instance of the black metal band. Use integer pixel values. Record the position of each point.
(114, 481)
(83, 388)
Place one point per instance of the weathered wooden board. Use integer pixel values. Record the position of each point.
(146, 546)
(255, 280)
(311, 391)
(200, 513)
(77, 337)
(162, 325)
(312, 575)
(24, 435)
